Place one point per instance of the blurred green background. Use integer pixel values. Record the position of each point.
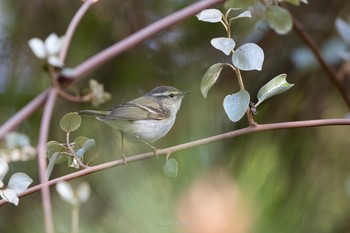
(283, 181)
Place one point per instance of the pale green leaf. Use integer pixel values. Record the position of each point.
(236, 105)
(210, 15)
(279, 19)
(343, 29)
(66, 192)
(9, 195)
(50, 166)
(70, 122)
(4, 168)
(274, 87)
(83, 192)
(223, 44)
(210, 78)
(296, 2)
(38, 48)
(53, 44)
(19, 182)
(171, 167)
(88, 144)
(245, 14)
(248, 57)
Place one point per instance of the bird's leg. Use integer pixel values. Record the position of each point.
(123, 155)
(155, 149)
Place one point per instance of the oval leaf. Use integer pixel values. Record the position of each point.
(83, 192)
(223, 44)
(9, 196)
(210, 15)
(210, 77)
(343, 29)
(19, 182)
(248, 57)
(38, 48)
(88, 144)
(279, 19)
(276, 86)
(171, 167)
(245, 14)
(236, 105)
(70, 122)
(66, 192)
(53, 147)
(51, 165)
(4, 168)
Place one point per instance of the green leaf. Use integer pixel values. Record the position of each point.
(171, 167)
(248, 57)
(210, 15)
(279, 19)
(238, 4)
(51, 165)
(223, 44)
(274, 87)
(80, 141)
(210, 77)
(52, 147)
(70, 122)
(236, 105)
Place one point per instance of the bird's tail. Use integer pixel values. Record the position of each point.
(94, 113)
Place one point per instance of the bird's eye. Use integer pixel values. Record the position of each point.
(171, 95)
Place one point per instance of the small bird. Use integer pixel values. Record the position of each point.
(147, 118)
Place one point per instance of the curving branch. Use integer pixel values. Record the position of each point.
(42, 164)
(96, 61)
(331, 73)
(131, 41)
(200, 142)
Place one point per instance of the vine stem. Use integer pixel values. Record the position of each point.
(173, 149)
(42, 162)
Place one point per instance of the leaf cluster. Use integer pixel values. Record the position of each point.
(247, 57)
(71, 151)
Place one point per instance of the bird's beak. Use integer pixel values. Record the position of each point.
(185, 93)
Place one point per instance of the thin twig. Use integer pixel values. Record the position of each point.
(72, 27)
(25, 112)
(331, 73)
(42, 163)
(71, 150)
(200, 142)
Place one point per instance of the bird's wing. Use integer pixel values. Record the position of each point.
(132, 111)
